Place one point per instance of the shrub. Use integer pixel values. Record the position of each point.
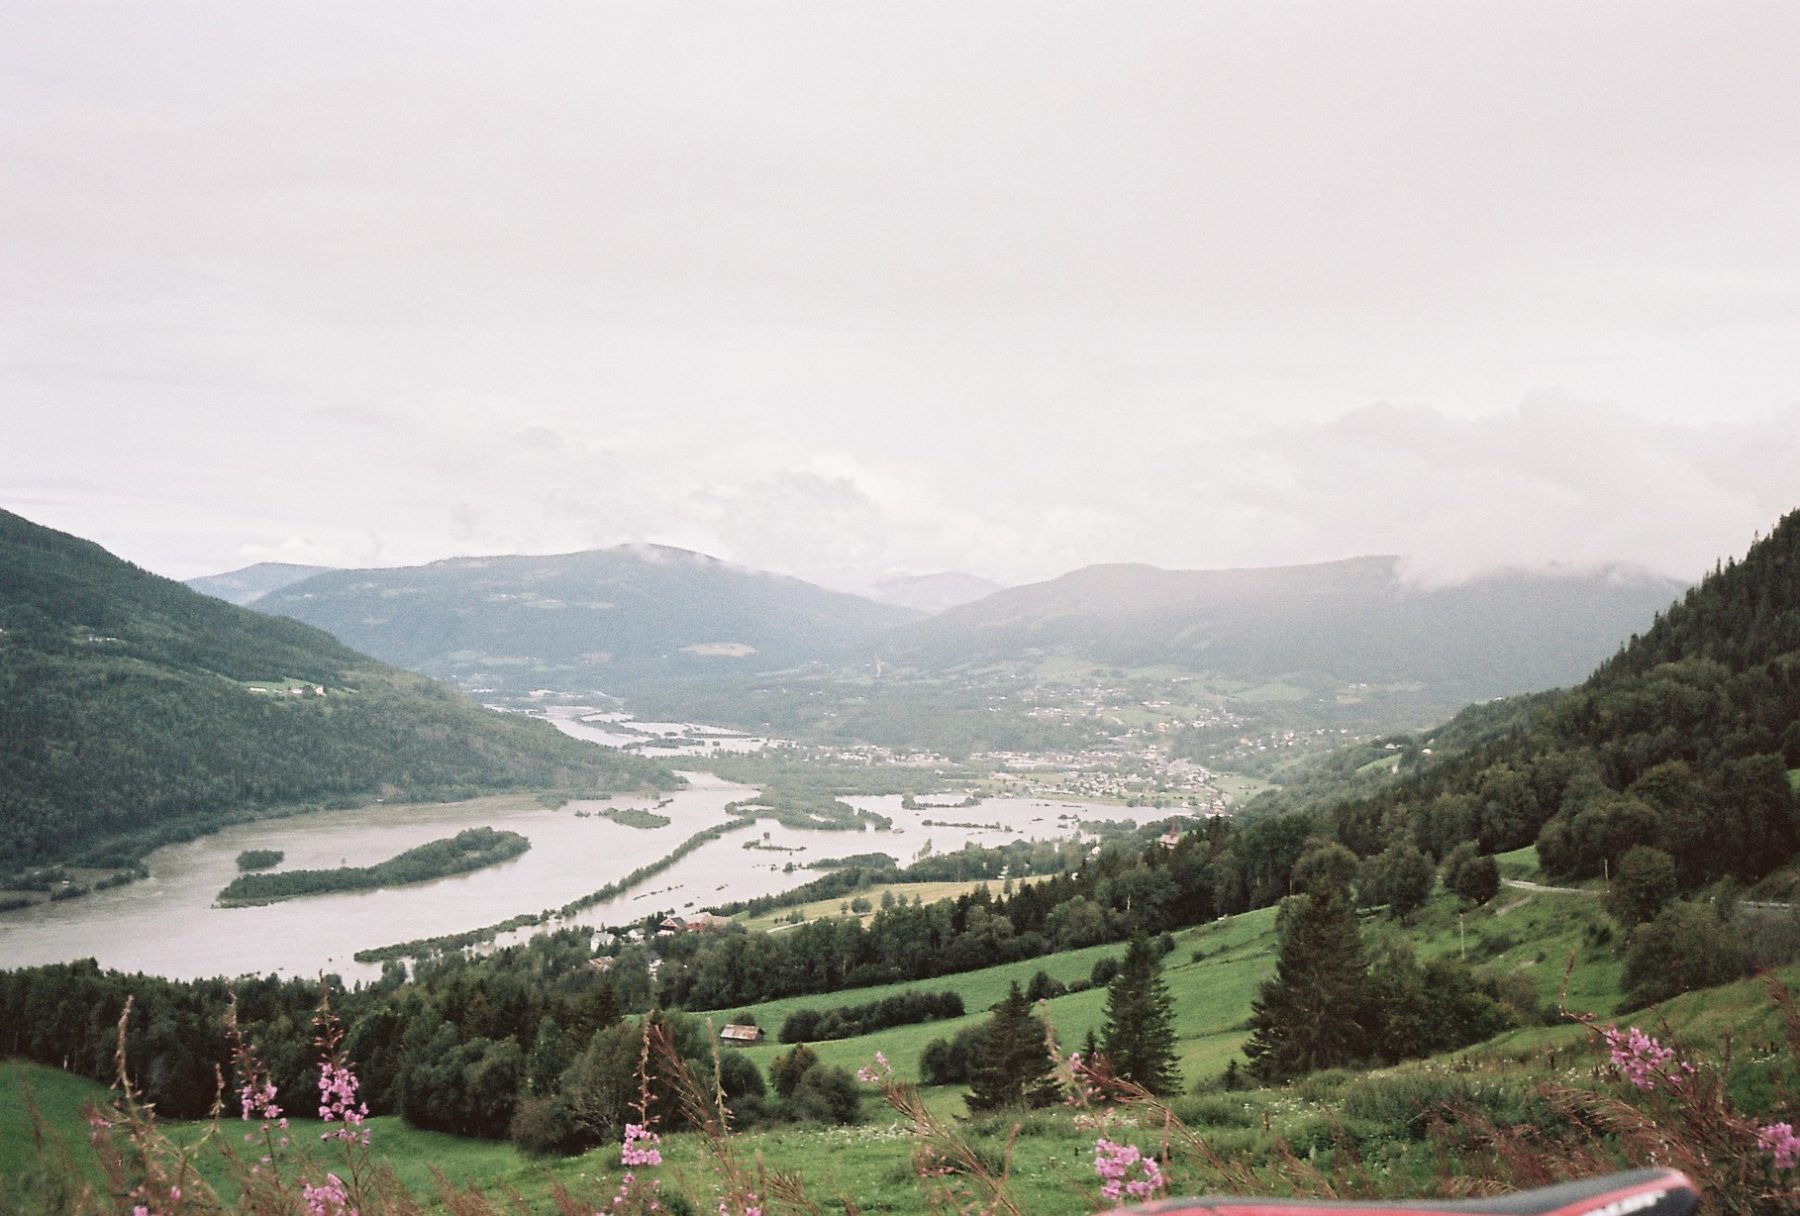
(1686, 947)
(824, 1095)
(1407, 1103)
(1492, 943)
(1475, 878)
(1644, 883)
(952, 1061)
(1215, 1110)
(786, 1070)
(849, 1021)
(546, 1127)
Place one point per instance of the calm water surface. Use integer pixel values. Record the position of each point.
(167, 925)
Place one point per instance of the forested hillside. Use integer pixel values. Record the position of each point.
(1325, 626)
(609, 620)
(1683, 743)
(133, 709)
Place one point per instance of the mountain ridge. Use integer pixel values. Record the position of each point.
(1356, 619)
(593, 621)
(131, 705)
(250, 583)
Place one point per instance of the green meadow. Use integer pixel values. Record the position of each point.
(1557, 942)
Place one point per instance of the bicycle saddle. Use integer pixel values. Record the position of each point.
(1639, 1193)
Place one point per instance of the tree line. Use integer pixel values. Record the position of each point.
(849, 1021)
(470, 849)
(1123, 891)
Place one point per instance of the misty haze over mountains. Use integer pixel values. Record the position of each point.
(1359, 620)
(241, 587)
(933, 592)
(603, 621)
(924, 592)
(628, 618)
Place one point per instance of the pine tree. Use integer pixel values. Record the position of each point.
(1314, 1012)
(1014, 1066)
(1139, 1038)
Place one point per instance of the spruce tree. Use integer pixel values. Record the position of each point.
(1014, 1065)
(1139, 1037)
(1315, 1011)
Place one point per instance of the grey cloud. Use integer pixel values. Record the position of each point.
(855, 290)
(539, 438)
(1549, 481)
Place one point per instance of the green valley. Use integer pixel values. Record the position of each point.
(1377, 978)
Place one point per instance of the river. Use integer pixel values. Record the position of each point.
(168, 925)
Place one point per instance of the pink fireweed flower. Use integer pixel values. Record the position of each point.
(1641, 1059)
(257, 1098)
(328, 1199)
(1116, 1164)
(256, 1090)
(1085, 1082)
(337, 1081)
(640, 1146)
(154, 1206)
(634, 1198)
(880, 1073)
(1779, 1141)
(337, 1101)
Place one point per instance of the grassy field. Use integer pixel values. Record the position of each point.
(1239, 788)
(59, 1097)
(925, 892)
(980, 991)
(1215, 969)
(1556, 942)
(413, 1154)
(1521, 864)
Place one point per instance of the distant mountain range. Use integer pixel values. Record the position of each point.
(1345, 622)
(134, 710)
(603, 621)
(933, 592)
(637, 617)
(253, 582)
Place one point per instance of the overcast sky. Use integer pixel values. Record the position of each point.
(852, 289)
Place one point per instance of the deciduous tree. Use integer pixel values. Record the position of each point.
(1645, 881)
(1474, 877)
